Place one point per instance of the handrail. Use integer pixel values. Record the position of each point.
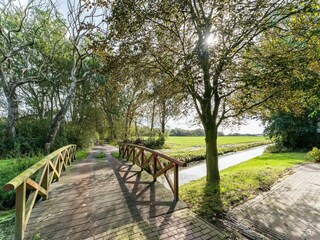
(136, 153)
(45, 172)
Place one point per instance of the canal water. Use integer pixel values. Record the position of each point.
(198, 170)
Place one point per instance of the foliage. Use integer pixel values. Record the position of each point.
(238, 183)
(155, 143)
(100, 155)
(183, 132)
(314, 154)
(293, 131)
(81, 154)
(276, 148)
(10, 168)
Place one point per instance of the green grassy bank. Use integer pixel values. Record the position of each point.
(238, 183)
(190, 149)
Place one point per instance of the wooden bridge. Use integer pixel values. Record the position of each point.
(104, 198)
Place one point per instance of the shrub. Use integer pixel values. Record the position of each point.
(8, 170)
(100, 155)
(277, 148)
(314, 154)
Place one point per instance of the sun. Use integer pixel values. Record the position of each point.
(211, 40)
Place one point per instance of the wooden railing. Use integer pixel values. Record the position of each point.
(37, 180)
(145, 157)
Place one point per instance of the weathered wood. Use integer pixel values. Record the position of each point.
(152, 161)
(20, 211)
(35, 186)
(155, 167)
(182, 164)
(176, 182)
(14, 183)
(45, 171)
(164, 169)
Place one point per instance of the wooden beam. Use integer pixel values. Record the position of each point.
(35, 186)
(165, 169)
(20, 211)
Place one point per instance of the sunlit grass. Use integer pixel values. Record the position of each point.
(238, 183)
(174, 142)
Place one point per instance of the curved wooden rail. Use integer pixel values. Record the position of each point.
(37, 179)
(137, 154)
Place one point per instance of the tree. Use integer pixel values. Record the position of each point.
(19, 27)
(80, 23)
(200, 44)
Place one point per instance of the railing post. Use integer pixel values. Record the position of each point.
(176, 182)
(45, 182)
(133, 155)
(20, 211)
(154, 167)
(142, 159)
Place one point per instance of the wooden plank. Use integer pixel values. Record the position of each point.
(147, 161)
(18, 180)
(182, 164)
(20, 211)
(54, 173)
(30, 203)
(35, 186)
(176, 182)
(164, 169)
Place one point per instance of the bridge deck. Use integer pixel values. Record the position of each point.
(107, 198)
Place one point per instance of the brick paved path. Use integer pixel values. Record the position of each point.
(290, 210)
(109, 199)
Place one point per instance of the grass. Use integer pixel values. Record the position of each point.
(100, 155)
(190, 149)
(189, 142)
(7, 224)
(238, 183)
(80, 154)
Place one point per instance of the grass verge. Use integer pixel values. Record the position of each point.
(238, 183)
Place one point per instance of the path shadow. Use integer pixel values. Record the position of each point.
(148, 199)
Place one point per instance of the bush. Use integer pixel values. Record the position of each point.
(9, 169)
(277, 148)
(314, 155)
(100, 155)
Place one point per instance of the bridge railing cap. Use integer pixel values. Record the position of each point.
(182, 164)
(18, 180)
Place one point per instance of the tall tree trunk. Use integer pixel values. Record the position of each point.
(211, 152)
(163, 117)
(13, 112)
(136, 129)
(152, 116)
(56, 122)
(12, 100)
(209, 113)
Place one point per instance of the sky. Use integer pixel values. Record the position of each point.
(251, 127)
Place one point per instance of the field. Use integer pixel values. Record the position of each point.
(189, 149)
(188, 142)
(238, 183)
